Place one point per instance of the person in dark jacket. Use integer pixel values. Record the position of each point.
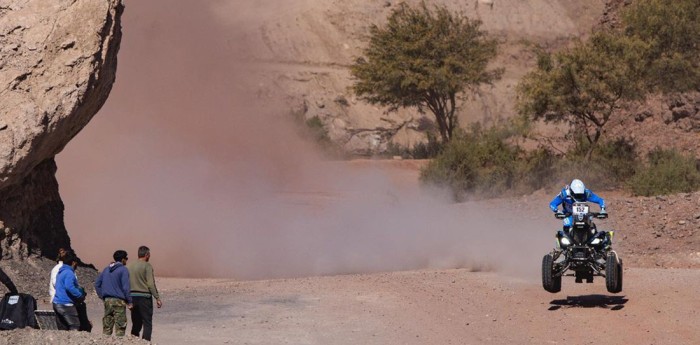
(68, 292)
(113, 287)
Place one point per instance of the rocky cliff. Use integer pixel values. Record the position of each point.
(57, 65)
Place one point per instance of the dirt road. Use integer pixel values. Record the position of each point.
(451, 306)
(657, 306)
(495, 298)
(486, 304)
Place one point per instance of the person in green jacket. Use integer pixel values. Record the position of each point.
(143, 291)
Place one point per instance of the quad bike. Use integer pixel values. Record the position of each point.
(584, 251)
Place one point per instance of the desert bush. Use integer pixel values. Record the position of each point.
(317, 130)
(478, 162)
(611, 164)
(429, 149)
(667, 171)
(538, 169)
(671, 30)
(393, 150)
(423, 150)
(484, 163)
(314, 129)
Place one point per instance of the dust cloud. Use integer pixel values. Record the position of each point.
(196, 157)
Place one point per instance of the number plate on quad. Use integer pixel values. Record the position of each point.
(581, 209)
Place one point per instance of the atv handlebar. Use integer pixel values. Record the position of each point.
(599, 215)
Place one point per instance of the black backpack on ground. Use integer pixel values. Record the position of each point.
(17, 311)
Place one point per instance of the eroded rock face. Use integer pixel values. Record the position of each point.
(57, 65)
(32, 216)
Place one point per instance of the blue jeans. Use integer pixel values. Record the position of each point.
(66, 317)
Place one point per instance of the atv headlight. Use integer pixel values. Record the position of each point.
(565, 241)
(595, 241)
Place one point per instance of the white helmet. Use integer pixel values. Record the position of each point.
(577, 190)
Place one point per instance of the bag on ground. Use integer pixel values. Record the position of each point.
(17, 311)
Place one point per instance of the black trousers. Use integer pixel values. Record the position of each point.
(66, 317)
(85, 323)
(142, 316)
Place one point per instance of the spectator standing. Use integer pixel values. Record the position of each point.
(68, 292)
(54, 272)
(143, 291)
(112, 286)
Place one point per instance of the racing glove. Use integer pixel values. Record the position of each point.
(603, 214)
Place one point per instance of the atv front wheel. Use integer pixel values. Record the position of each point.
(618, 288)
(550, 282)
(613, 273)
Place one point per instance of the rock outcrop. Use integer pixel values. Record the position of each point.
(57, 65)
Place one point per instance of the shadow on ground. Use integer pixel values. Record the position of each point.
(590, 301)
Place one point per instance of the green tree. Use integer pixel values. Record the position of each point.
(584, 85)
(672, 31)
(424, 58)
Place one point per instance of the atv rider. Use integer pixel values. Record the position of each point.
(575, 192)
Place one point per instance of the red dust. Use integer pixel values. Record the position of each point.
(191, 158)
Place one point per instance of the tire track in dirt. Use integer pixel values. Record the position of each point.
(658, 306)
(297, 66)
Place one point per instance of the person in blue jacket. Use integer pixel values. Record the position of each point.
(114, 288)
(68, 293)
(575, 192)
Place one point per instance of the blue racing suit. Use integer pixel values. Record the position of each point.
(568, 200)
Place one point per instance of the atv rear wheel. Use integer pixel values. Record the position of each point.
(550, 282)
(613, 273)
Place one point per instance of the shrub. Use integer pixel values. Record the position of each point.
(611, 164)
(421, 150)
(666, 172)
(479, 162)
(538, 169)
(483, 163)
(316, 131)
(671, 30)
(429, 149)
